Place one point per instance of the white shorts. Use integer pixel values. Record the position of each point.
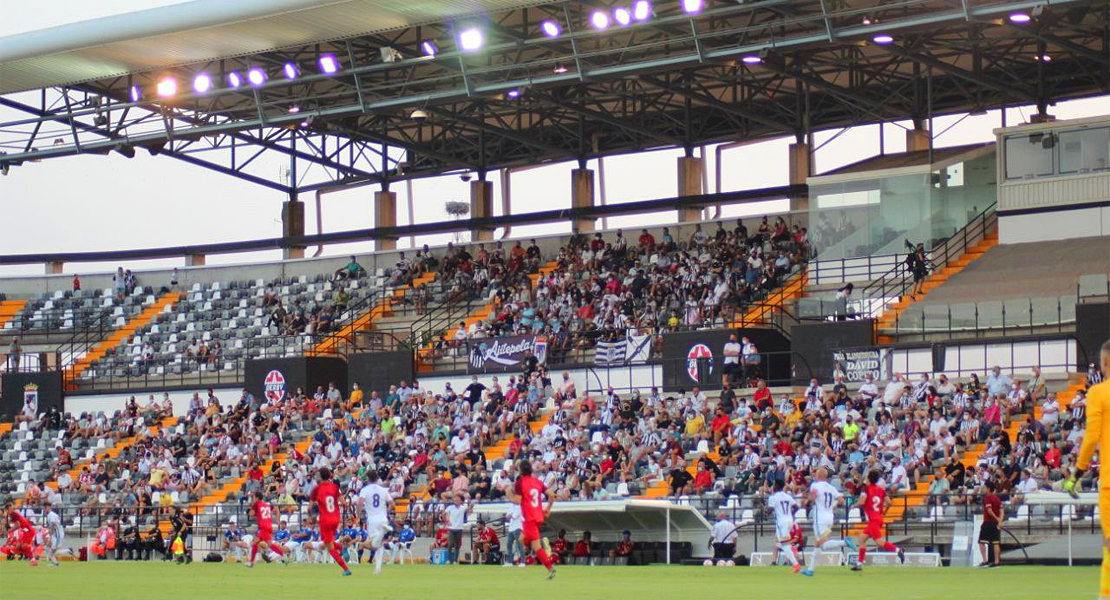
(823, 524)
(782, 531)
(376, 531)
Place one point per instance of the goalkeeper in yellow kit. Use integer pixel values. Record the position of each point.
(1097, 437)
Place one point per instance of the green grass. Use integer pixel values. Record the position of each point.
(122, 581)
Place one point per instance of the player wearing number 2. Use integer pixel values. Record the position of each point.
(874, 502)
(263, 514)
(376, 502)
(325, 496)
(530, 492)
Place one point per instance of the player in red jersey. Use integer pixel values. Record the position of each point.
(24, 540)
(263, 513)
(530, 492)
(326, 498)
(874, 502)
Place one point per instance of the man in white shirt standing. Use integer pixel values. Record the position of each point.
(823, 500)
(455, 516)
(515, 550)
(376, 502)
(731, 352)
(722, 539)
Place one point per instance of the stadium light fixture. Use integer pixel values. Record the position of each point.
(599, 20)
(167, 87)
(294, 109)
(136, 93)
(291, 71)
(202, 83)
(641, 10)
(883, 39)
(693, 7)
(752, 59)
(622, 16)
(1020, 18)
(471, 39)
(429, 48)
(256, 76)
(560, 68)
(1045, 58)
(513, 93)
(329, 65)
(234, 80)
(551, 28)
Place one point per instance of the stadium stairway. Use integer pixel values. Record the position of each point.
(763, 312)
(117, 337)
(112, 451)
(890, 316)
(9, 309)
(495, 451)
(481, 314)
(331, 344)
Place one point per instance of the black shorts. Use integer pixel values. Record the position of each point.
(988, 533)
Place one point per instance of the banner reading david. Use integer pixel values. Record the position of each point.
(505, 354)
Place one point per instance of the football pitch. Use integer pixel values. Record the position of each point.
(199, 581)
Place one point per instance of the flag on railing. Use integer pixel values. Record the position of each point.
(632, 349)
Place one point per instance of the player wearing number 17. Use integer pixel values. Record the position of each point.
(530, 493)
(325, 498)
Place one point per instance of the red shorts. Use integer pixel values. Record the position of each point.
(27, 537)
(530, 533)
(265, 535)
(327, 532)
(874, 529)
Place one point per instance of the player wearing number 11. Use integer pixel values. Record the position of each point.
(325, 498)
(530, 493)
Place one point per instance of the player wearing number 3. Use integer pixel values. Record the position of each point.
(325, 498)
(530, 492)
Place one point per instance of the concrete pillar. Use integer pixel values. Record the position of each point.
(385, 215)
(690, 170)
(582, 196)
(292, 225)
(481, 207)
(801, 167)
(197, 260)
(54, 267)
(917, 140)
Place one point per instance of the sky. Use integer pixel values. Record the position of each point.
(89, 203)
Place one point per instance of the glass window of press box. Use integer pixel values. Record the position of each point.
(877, 216)
(1076, 151)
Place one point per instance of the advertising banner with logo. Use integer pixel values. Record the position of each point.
(505, 354)
(857, 363)
(697, 357)
(276, 378)
(36, 391)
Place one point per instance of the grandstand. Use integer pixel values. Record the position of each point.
(933, 314)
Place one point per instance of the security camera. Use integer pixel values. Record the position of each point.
(418, 115)
(465, 176)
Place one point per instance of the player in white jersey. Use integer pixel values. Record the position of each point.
(783, 505)
(53, 533)
(823, 500)
(376, 502)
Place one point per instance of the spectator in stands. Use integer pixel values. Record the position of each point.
(352, 270)
(998, 382)
(76, 283)
(120, 281)
(15, 352)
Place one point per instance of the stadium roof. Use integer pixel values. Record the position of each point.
(205, 30)
(733, 71)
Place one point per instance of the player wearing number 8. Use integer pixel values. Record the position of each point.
(325, 499)
(376, 501)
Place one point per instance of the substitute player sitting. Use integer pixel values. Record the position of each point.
(874, 502)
